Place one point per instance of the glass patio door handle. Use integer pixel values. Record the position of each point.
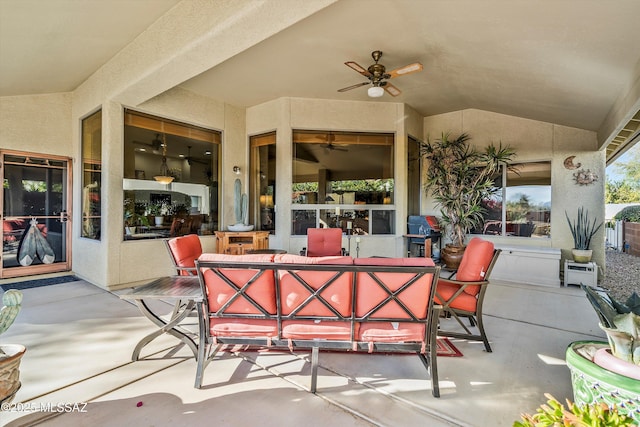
(63, 216)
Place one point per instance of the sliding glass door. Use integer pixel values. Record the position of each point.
(36, 220)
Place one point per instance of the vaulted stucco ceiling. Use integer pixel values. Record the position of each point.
(569, 62)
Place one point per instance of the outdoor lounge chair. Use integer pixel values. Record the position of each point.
(463, 296)
(184, 251)
(324, 242)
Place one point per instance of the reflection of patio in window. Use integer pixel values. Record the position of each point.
(189, 204)
(352, 172)
(526, 210)
(342, 168)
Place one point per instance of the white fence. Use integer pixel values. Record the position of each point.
(613, 236)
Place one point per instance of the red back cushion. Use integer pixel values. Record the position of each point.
(324, 241)
(293, 293)
(185, 250)
(475, 261)
(369, 293)
(219, 292)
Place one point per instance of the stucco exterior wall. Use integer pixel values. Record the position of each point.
(534, 141)
(37, 123)
(112, 262)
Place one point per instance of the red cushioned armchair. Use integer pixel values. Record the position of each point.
(324, 242)
(464, 295)
(184, 251)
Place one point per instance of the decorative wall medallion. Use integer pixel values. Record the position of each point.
(568, 163)
(585, 177)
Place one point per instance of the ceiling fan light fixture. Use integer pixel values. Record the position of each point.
(375, 92)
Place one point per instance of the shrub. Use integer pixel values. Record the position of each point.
(630, 213)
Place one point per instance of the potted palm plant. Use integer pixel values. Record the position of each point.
(582, 230)
(10, 354)
(460, 177)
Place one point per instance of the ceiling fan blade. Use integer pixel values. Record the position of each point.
(344, 89)
(392, 90)
(355, 66)
(407, 69)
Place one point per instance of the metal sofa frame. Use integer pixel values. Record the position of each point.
(426, 350)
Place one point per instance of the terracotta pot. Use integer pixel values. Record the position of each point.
(452, 255)
(10, 371)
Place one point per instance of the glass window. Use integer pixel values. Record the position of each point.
(345, 170)
(527, 210)
(171, 175)
(91, 175)
(414, 190)
(263, 180)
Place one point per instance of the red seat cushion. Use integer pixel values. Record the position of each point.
(391, 332)
(464, 301)
(228, 327)
(310, 329)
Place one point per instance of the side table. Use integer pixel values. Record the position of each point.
(185, 290)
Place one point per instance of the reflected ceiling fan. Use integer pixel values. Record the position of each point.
(155, 144)
(378, 76)
(191, 159)
(331, 144)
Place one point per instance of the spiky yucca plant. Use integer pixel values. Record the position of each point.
(460, 177)
(583, 229)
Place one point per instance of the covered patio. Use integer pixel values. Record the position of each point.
(79, 340)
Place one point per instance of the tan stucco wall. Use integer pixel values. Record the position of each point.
(32, 123)
(533, 141)
(37, 123)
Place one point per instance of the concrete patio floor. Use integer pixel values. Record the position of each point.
(79, 340)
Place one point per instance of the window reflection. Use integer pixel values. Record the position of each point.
(527, 203)
(189, 204)
(349, 171)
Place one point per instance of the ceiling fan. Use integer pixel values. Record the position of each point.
(331, 144)
(155, 144)
(378, 76)
(191, 159)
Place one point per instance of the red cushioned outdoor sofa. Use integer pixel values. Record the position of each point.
(336, 302)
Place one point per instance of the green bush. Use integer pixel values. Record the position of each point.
(630, 213)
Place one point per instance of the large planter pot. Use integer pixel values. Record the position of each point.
(452, 255)
(582, 255)
(595, 384)
(10, 371)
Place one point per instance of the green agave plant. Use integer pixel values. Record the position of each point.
(12, 301)
(621, 322)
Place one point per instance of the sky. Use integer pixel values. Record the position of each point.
(610, 171)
